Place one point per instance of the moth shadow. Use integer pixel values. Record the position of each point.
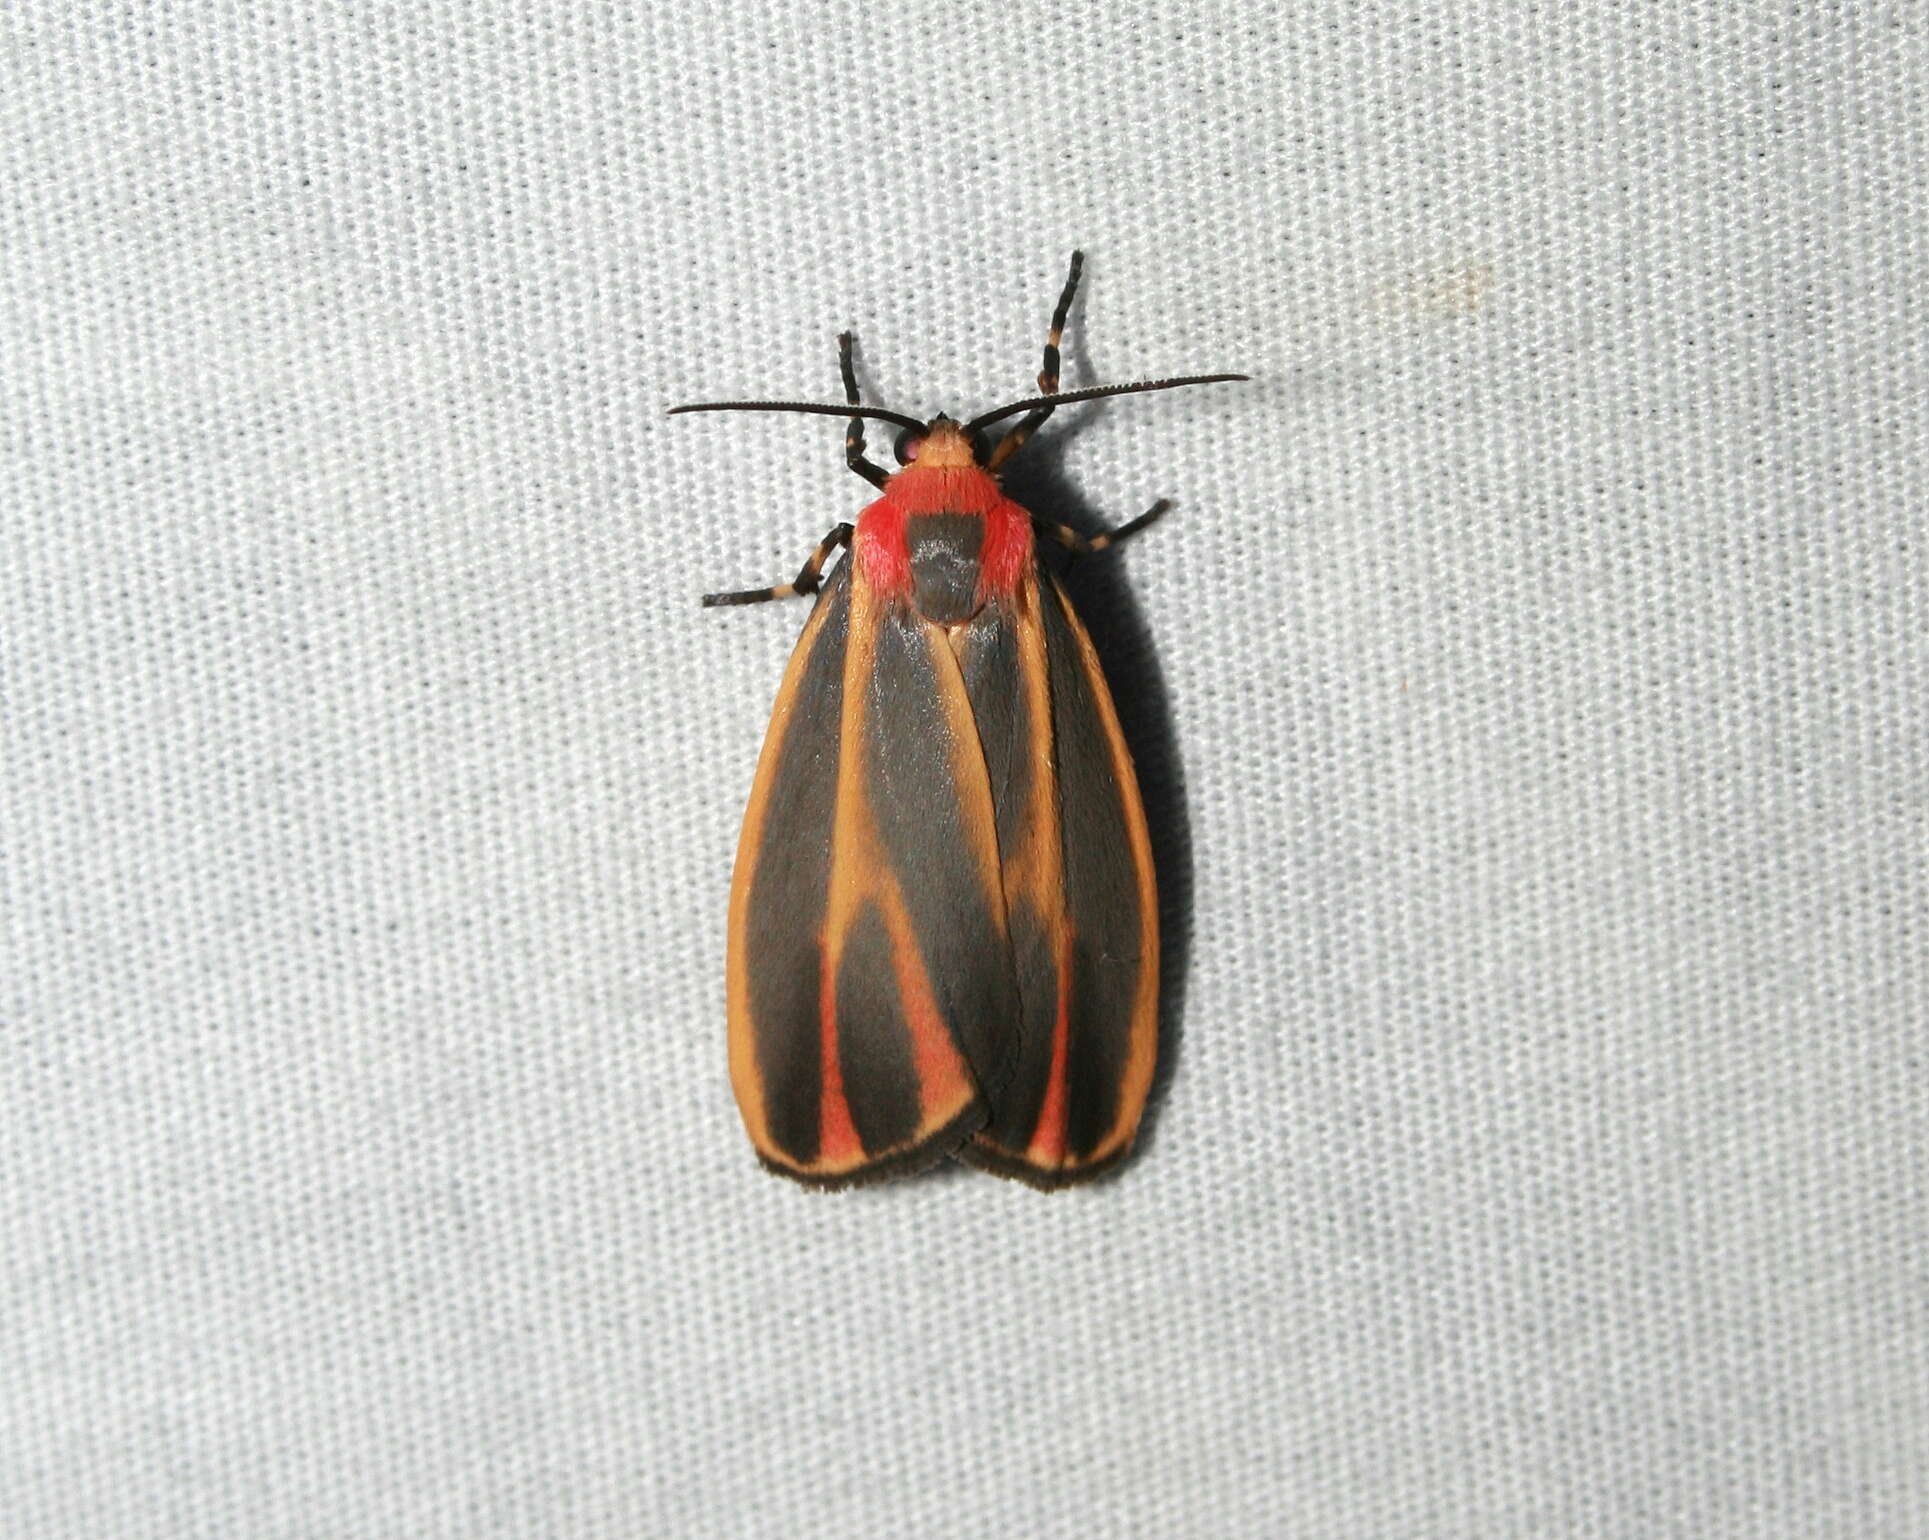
(1100, 590)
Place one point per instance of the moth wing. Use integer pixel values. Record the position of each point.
(870, 981)
(1082, 905)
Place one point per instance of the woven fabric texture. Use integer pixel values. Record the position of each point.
(1528, 685)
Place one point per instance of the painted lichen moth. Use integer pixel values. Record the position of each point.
(943, 929)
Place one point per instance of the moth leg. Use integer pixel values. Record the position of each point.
(1089, 545)
(804, 583)
(1013, 441)
(854, 434)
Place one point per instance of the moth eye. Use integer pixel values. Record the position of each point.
(910, 441)
(978, 448)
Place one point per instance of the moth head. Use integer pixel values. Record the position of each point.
(940, 444)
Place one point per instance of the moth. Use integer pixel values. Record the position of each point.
(943, 935)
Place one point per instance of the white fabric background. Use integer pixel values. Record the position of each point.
(1530, 684)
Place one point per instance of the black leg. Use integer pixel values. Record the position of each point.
(804, 583)
(854, 434)
(1013, 441)
(1089, 545)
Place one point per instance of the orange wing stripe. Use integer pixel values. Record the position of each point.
(944, 1082)
(1047, 1147)
(837, 1142)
